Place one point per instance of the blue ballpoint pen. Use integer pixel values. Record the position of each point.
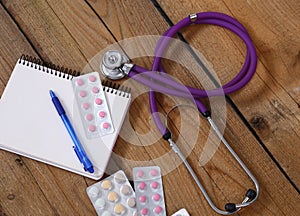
(88, 166)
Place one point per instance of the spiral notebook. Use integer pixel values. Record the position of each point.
(29, 125)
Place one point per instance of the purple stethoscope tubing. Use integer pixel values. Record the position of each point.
(177, 89)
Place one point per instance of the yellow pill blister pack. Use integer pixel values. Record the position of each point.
(113, 196)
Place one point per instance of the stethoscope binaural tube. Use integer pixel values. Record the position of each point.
(241, 79)
(171, 87)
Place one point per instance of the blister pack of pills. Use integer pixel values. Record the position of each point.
(149, 191)
(181, 212)
(92, 105)
(113, 196)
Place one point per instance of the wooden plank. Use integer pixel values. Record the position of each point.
(276, 39)
(18, 187)
(270, 102)
(139, 22)
(19, 190)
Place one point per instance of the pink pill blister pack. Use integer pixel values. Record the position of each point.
(149, 191)
(181, 212)
(113, 196)
(92, 105)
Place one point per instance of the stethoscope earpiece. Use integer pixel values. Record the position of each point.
(232, 207)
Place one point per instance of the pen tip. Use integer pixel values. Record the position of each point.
(52, 93)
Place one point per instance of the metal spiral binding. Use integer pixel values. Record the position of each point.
(48, 67)
(116, 89)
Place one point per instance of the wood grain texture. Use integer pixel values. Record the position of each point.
(270, 102)
(19, 189)
(124, 29)
(71, 34)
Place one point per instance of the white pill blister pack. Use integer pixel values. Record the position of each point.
(113, 196)
(92, 105)
(149, 191)
(181, 212)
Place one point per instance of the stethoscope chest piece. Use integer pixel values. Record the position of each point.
(111, 64)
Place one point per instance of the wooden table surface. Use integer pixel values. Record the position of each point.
(262, 119)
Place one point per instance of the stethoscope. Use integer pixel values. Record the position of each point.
(115, 65)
